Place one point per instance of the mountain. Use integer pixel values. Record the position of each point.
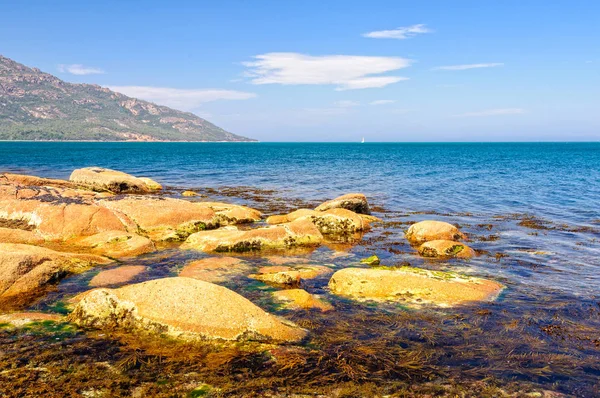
(38, 106)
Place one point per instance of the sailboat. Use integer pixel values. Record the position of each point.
(363, 140)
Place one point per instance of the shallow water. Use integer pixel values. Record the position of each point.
(531, 210)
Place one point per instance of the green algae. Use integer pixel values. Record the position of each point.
(371, 261)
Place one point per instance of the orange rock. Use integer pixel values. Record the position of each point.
(356, 202)
(9, 235)
(291, 276)
(228, 214)
(215, 269)
(301, 299)
(333, 221)
(413, 286)
(432, 230)
(98, 178)
(117, 275)
(116, 244)
(445, 249)
(182, 308)
(25, 271)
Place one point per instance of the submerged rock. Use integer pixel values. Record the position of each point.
(445, 249)
(301, 299)
(371, 261)
(356, 202)
(333, 221)
(290, 276)
(413, 285)
(424, 231)
(117, 244)
(25, 271)
(215, 269)
(117, 275)
(163, 219)
(102, 179)
(295, 234)
(182, 308)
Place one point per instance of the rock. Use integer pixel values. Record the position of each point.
(26, 180)
(189, 193)
(301, 299)
(413, 286)
(215, 269)
(445, 249)
(290, 276)
(281, 260)
(334, 221)
(18, 319)
(56, 218)
(371, 261)
(299, 233)
(181, 308)
(163, 219)
(98, 178)
(9, 235)
(117, 244)
(233, 214)
(116, 276)
(356, 202)
(25, 271)
(432, 230)
(151, 184)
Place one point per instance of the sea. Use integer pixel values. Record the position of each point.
(531, 210)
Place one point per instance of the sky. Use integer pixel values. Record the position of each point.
(416, 70)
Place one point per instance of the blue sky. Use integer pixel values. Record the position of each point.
(333, 70)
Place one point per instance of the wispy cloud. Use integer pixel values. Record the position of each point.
(346, 72)
(493, 112)
(382, 102)
(183, 99)
(78, 69)
(469, 66)
(399, 33)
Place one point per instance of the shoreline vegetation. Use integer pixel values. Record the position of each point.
(138, 290)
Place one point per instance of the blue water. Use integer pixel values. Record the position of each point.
(560, 181)
(547, 318)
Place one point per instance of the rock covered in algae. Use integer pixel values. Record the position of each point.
(99, 178)
(116, 244)
(427, 230)
(117, 275)
(301, 299)
(412, 285)
(181, 308)
(215, 269)
(290, 275)
(445, 248)
(333, 221)
(295, 234)
(356, 202)
(372, 261)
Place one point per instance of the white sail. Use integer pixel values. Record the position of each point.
(363, 140)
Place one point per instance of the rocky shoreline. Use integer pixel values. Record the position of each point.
(99, 218)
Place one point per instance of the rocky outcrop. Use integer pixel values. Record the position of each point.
(299, 233)
(101, 179)
(412, 286)
(116, 244)
(26, 271)
(117, 275)
(356, 202)
(163, 219)
(181, 308)
(10, 235)
(300, 299)
(333, 221)
(215, 269)
(445, 249)
(425, 231)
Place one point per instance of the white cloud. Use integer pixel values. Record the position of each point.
(399, 33)
(493, 112)
(347, 72)
(183, 99)
(346, 103)
(469, 66)
(382, 102)
(78, 69)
